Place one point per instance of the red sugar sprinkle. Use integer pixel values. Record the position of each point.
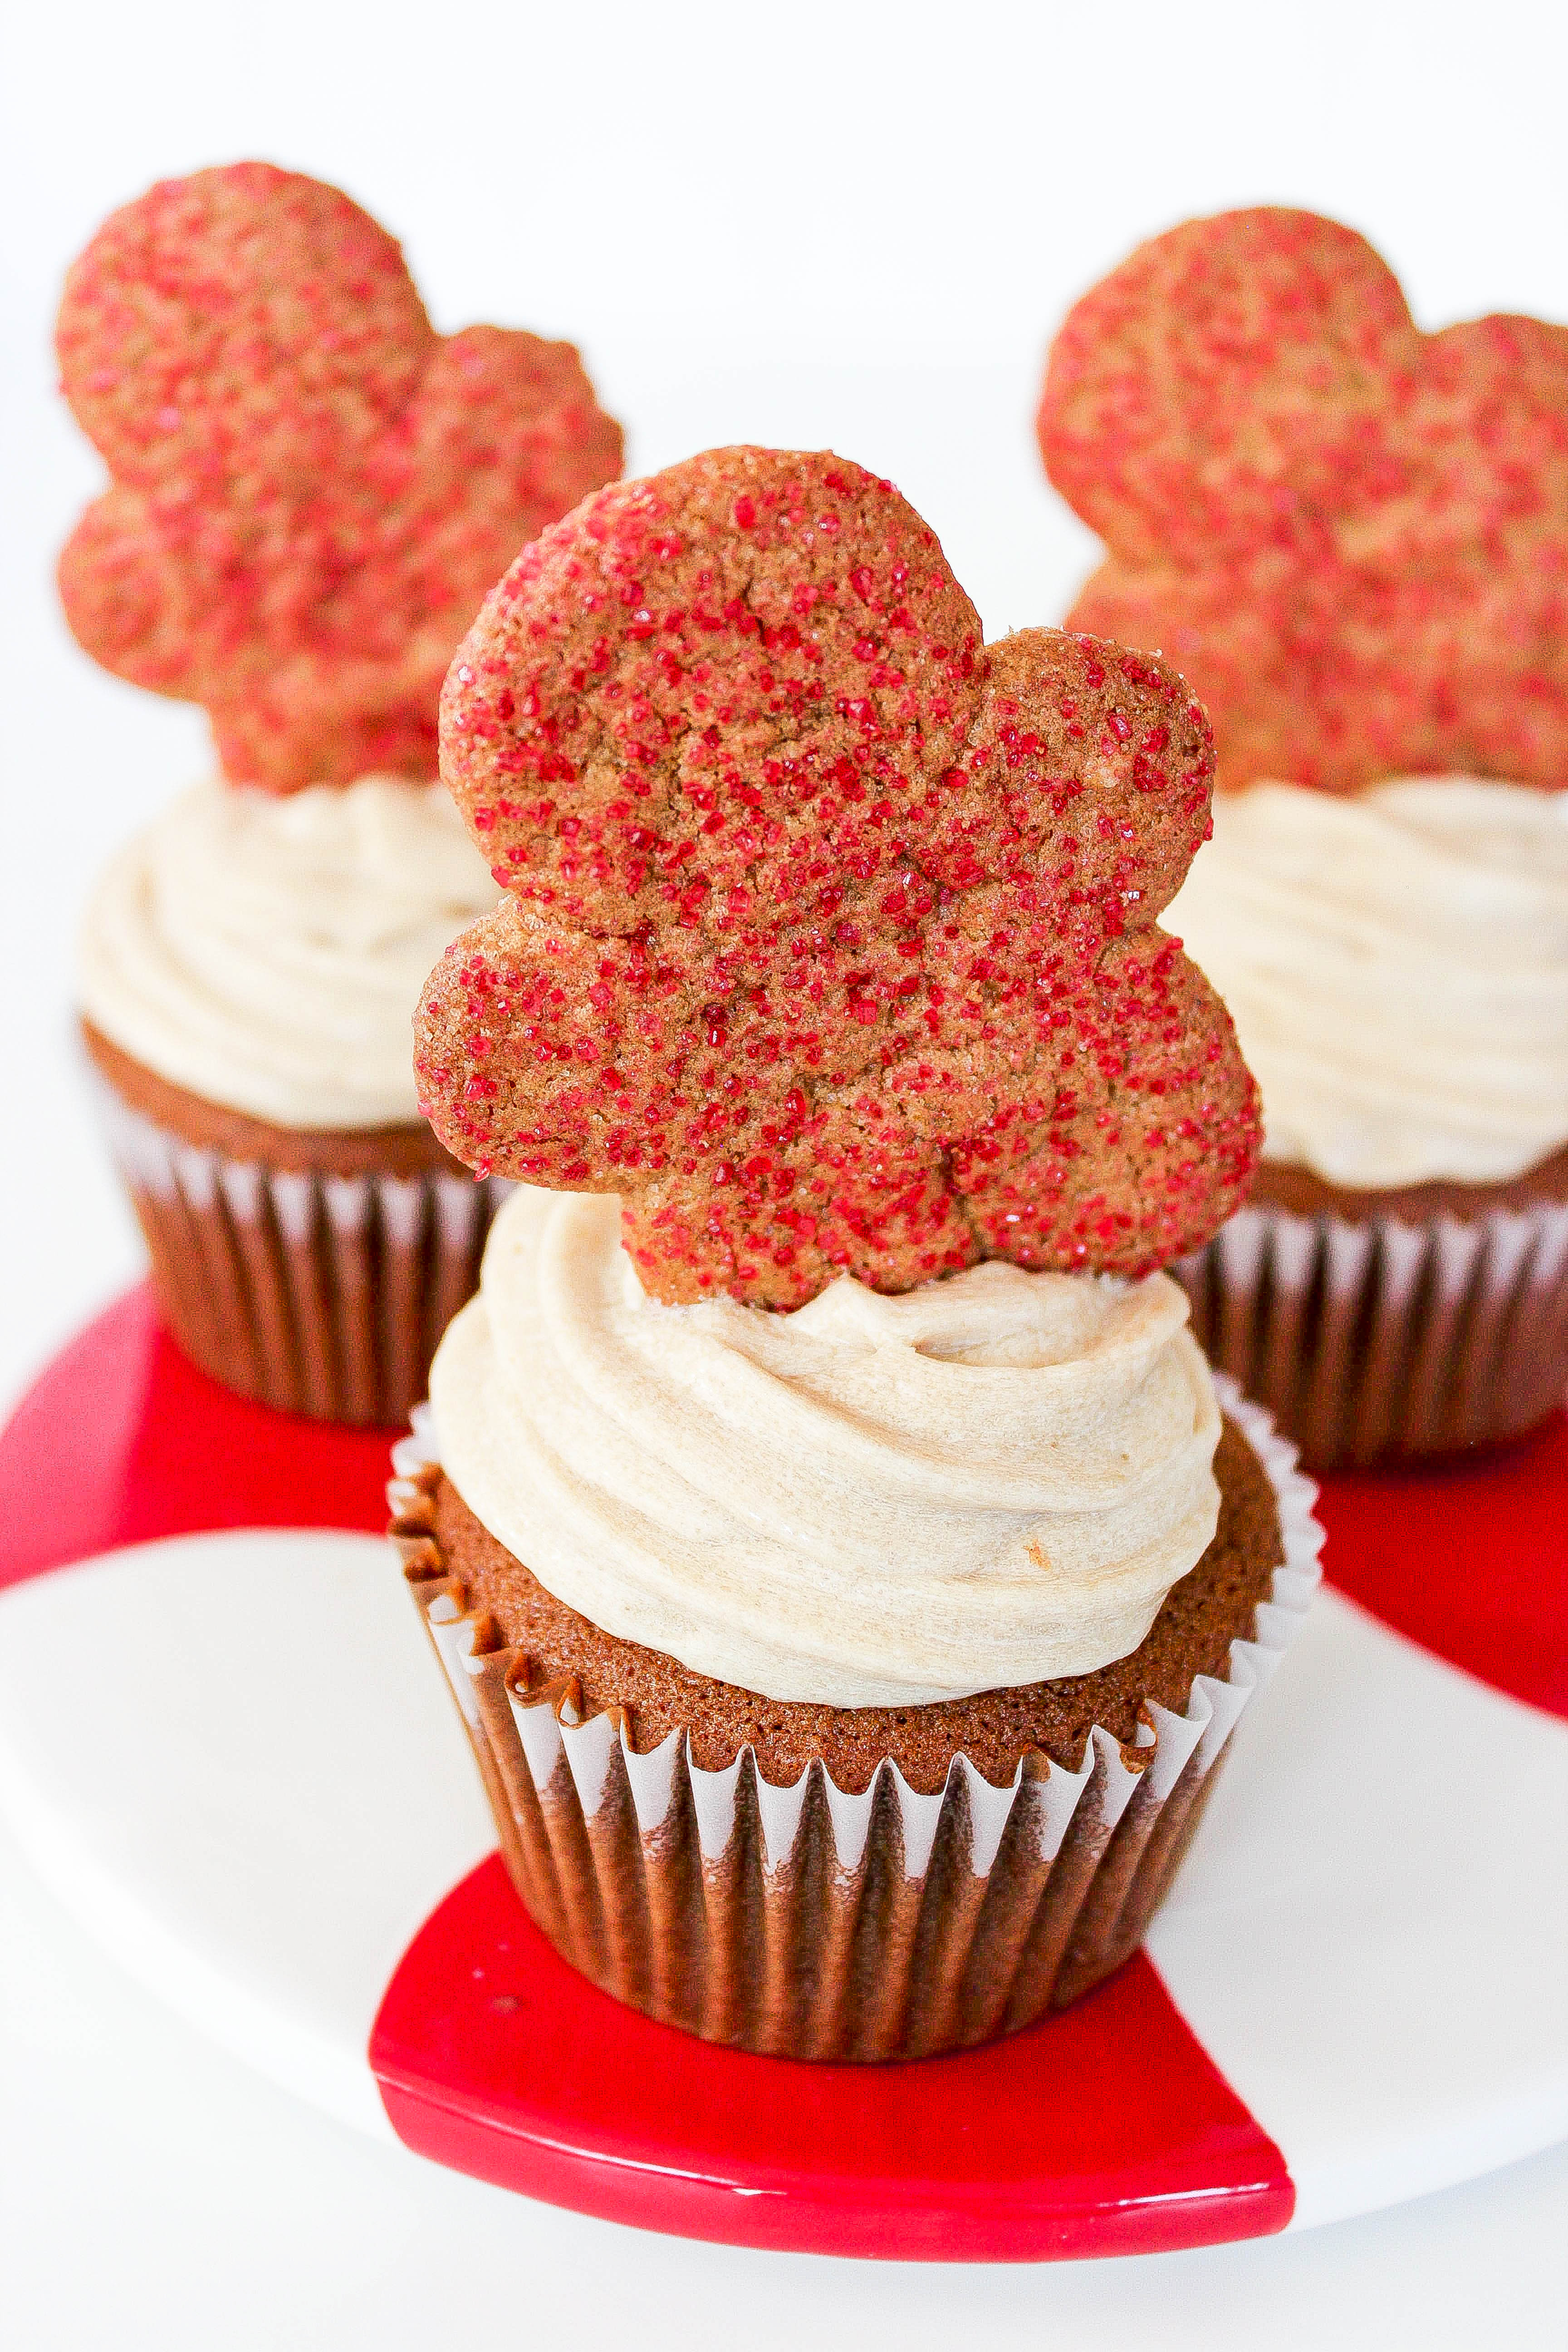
(1351, 536)
(861, 973)
(311, 489)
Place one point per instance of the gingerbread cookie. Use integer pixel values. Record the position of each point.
(1351, 537)
(313, 490)
(828, 938)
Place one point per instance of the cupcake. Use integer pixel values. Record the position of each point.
(310, 492)
(844, 1563)
(1348, 535)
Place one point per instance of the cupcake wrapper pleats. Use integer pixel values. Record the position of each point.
(318, 1294)
(809, 1921)
(1375, 1340)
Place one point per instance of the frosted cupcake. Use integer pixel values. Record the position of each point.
(845, 1564)
(1346, 534)
(310, 492)
(246, 972)
(1397, 968)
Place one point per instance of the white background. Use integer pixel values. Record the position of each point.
(840, 223)
(823, 222)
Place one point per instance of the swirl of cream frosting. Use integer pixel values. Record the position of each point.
(1397, 965)
(992, 1480)
(267, 953)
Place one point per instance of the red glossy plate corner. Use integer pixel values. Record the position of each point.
(1105, 2130)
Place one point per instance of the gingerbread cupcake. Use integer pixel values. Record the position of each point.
(312, 491)
(1352, 538)
(845, 1565)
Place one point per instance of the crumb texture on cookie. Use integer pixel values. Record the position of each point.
(828, 938)
(1351, 537)
(312, 488)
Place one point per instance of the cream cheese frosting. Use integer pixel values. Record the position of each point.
(268, 953)
(1397, 965)
(872, 1501)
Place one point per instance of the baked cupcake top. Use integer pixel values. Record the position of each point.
(1351, 537)
(828, 938)
(311, 489)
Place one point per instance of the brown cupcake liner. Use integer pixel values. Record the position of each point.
(321, 1294)
(810, 1922)
(1372, 1338)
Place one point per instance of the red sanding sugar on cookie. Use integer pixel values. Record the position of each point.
(1351, 537)
(313, 490)
(828, 934)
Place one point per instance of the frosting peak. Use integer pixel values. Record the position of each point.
(871, 1501)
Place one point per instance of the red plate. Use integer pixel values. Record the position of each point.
(1106, 2130)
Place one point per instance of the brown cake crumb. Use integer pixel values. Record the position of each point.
(1281, 1184)
(1191, 1636)
(407, 1148)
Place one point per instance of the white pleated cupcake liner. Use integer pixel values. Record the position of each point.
(815, 1922)
(1375, 1339)
(320, 1294)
